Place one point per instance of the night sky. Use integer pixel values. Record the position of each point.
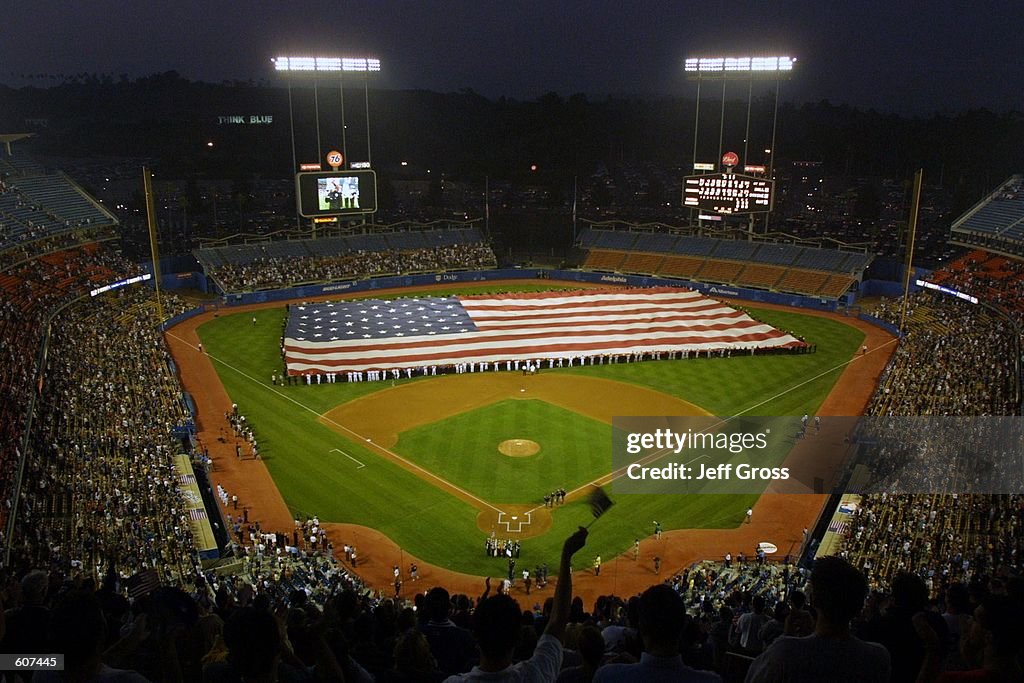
(906, 57)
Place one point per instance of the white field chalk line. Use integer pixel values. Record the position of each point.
(338, 450)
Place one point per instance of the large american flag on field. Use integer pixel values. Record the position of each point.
(381, 334)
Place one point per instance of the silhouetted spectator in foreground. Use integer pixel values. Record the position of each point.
(896, 630)
(452, 647)
(414, 662)
(995, 640)
(79, 631)
(591, 649)
(832, 653)
(497, 628)
(27, 622)
(662, 620)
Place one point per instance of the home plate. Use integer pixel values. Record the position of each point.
(521, 390)
(515, 517)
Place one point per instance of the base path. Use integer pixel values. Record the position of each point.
(778, 519)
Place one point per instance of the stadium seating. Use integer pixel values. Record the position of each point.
(615, 239)
(796, 280)
(836, 285)
(695, 246)
(34, 207)
(759, 275)
(734, 250)
(779, 267)
(59, 195)
(599, 259)
(642, 263)
(656, 241)
(820, 259)
(406, 241)
(719, 271)
(971, 539)
(995, 222)
(681, 266)
(778, 254)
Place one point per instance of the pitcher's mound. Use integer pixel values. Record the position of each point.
(518, 448)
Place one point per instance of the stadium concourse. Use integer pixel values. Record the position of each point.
(98, 520)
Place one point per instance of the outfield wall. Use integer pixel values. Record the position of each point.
(464, 277)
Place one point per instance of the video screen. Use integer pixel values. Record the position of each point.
(336, 193)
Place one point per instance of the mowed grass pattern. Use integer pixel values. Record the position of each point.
(440, 528)
(463, 449)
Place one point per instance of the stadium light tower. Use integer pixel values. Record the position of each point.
(317, 67)
(727, 69)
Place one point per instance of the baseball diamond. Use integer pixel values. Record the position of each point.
(467, 490)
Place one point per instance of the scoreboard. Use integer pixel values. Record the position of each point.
(336, 193)
(728, 193)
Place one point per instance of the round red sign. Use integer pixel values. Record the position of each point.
(730, 159)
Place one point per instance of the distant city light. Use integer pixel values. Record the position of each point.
(405, 163)
(714, 65)
(326, 64)
(210, 143)
(533, 167)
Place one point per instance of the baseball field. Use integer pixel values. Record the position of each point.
(436, 464)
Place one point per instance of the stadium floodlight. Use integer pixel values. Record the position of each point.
(738, 67)
(318, 65)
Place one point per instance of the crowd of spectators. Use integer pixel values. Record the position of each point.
(941, 454)
(271, 273)
(99, 485)
(955, 358)
(29, 292)
(994, 279)
(940, 538)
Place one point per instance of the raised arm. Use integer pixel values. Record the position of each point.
(563, 590)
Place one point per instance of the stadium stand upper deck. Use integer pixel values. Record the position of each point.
(279, 263)
(996, 222)
(767, 265)
(36, 204)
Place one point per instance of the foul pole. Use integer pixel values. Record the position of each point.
(915, 206)
(154, 250)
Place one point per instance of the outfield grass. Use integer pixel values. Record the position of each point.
(439, 528)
